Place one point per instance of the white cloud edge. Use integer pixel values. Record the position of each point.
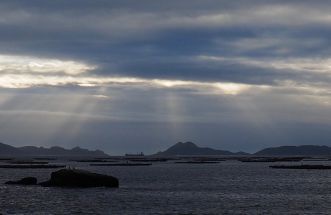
(28, 72)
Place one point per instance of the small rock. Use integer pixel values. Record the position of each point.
(24, 181)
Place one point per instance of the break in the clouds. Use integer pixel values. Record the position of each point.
(256, 71)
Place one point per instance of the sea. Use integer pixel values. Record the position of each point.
(228, 187)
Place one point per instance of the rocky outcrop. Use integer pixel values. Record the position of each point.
(79, 178)
(24, 181)
(72, 178)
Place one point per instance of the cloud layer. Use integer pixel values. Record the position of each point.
(169, 62)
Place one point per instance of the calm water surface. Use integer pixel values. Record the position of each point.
(230, 187)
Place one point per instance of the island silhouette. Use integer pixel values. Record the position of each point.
(11, 151)
(178, 149)
(191, 149)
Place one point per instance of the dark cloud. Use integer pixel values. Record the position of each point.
(279, 49)
(151, 39)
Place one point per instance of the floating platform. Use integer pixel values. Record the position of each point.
(300, 167)
(148, 159)
(197, 162)
(31, 166)
(272, 159)
(120, 164)
(6, 159)
(45, 158)
(29, 162)
(93, 161)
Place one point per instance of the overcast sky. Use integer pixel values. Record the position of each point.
(126, 76)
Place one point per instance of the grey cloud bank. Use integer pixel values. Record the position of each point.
(139, 75)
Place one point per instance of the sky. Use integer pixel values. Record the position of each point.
(128, 76)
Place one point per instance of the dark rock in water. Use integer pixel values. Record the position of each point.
(79, 178)
(24, 181)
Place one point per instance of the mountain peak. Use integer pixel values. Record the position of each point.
(185, 144)
(190, 148)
